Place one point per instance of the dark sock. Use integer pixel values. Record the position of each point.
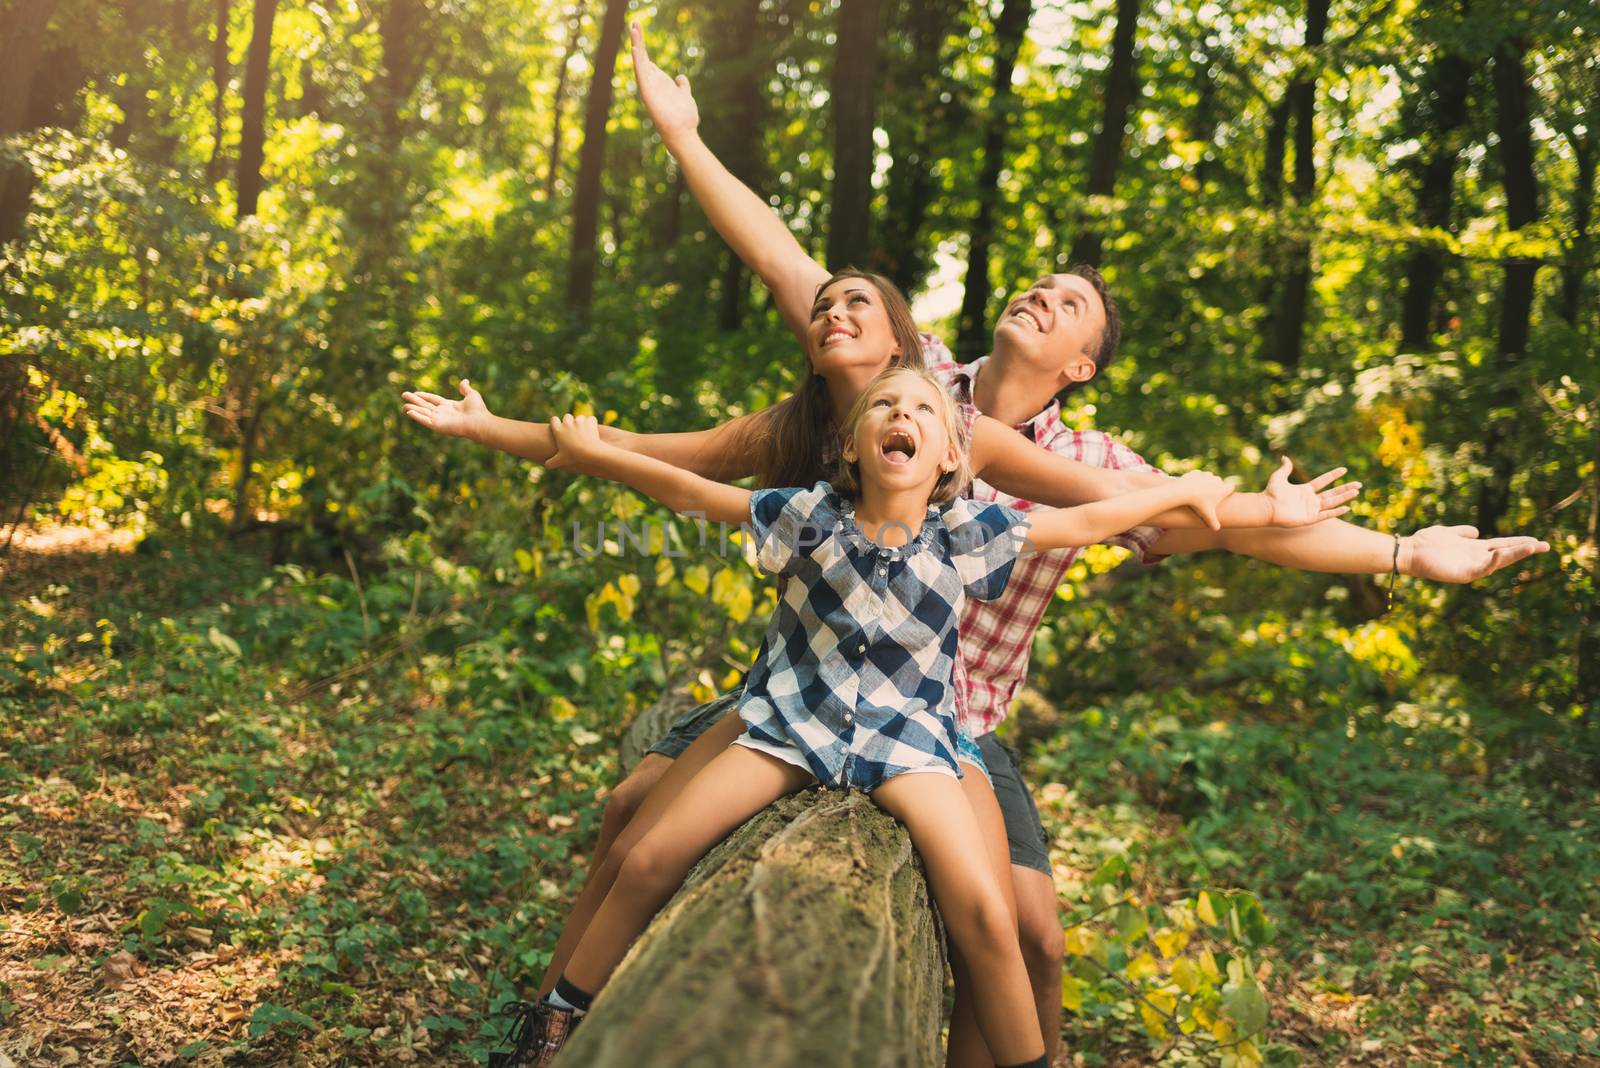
(1041, 1061)
(568, 997)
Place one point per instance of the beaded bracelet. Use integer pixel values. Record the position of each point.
(1394, 573)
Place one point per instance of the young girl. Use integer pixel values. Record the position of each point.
(852, 685)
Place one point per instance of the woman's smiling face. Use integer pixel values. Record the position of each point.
(850, 328)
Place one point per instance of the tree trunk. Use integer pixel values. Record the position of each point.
(972, 336)
(253, 114)
(900, 253)
(400, 29)
(806, 938)
(591, 160)
(1122, 87)
(737, 62)
(1289, 317)
(1276, 150)
(574, 31)
(1580, 257)
(670, 210)
(221, 71)
(852, 93)
(1513, 123)
(1589, 630)
(22, 30)
(1446, 87)
(247, 459)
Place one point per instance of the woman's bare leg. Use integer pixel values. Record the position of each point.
(735, 786)
(972, 900)
(673, 776)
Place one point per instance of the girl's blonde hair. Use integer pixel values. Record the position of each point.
(790, 442)
(847, 480)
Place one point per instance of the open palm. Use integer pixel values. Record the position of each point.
(456, 418)
(669, 101)
(1301, 504)
(1457, 554)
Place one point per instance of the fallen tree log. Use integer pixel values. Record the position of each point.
(806, 938)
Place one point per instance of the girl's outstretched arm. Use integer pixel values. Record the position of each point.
(723, 452)
(1015, 465)
(1087, 524)
(579, 446)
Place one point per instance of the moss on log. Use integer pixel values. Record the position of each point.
(805, 939)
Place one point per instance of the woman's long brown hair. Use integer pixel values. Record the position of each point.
(796, 431)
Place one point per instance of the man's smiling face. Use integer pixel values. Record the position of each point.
(1054, 325)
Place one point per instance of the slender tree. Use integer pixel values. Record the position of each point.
(591, 158)
(736, 63)
(22, 41)
(558, 104)
(1579, 260)
(1441, 116)
(221, 72)
(853, 104)
(1514, 126)
(972, 336)
(253, 116)
(1288, 320)
(1121, 88)
(925, 107)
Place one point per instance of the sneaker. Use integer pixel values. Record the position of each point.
(536, 1035)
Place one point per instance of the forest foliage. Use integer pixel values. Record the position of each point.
(1356, 232)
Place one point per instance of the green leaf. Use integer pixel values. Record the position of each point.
(269, 1016)
(1131, 922)
(1246, 1008)
(223, 642)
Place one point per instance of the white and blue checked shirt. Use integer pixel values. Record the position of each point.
(854, 677)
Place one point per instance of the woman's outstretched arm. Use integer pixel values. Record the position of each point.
(724, 452)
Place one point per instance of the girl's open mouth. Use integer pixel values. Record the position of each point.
(898, 448)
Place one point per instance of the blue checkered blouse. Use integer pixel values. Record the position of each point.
(853, 680)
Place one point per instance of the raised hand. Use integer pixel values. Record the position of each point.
(1455, 554)
(669, 101)
(1311, 502)
(457, 418)
(1206, 491)
(577, 440)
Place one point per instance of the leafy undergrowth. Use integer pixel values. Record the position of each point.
(1425, 910)
(256, 816)
(264, 817)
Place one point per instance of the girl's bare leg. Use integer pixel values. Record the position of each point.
(966, 1048)
(603, 872)
(972, 900)
(735, 786)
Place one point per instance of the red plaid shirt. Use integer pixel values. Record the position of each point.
(997, 636)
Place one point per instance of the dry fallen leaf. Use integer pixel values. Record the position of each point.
(119, 969)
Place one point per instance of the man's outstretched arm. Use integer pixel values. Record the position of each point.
(750, 227)
(1440, 553)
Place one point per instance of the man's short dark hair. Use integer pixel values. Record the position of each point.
(1110, 337)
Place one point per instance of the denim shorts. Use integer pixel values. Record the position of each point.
(1030, 846)
(693, 723)
(1024, 829)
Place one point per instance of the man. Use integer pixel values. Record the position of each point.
(1049, 340)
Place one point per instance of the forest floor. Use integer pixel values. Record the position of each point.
(238, 826)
